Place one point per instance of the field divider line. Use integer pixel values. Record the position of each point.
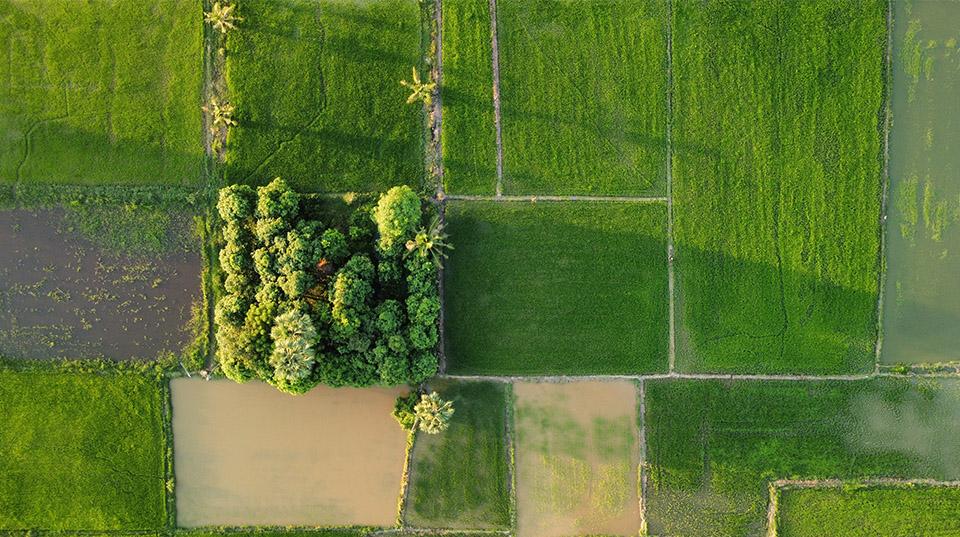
(669, 171)
(786, 484)
(534, 199)
(405, 480)
(885, 181)
(497, 116)
(559, 379)
(437, 132)
(642, 469)
(436, 531)
(512, 455)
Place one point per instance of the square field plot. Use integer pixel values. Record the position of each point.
(714, 446)
(246, 455)
(329, 113)
(459, 478)
(577, 457)
(777, 184)
(101, 93)
(81, 451)
(584, 96)
(576, 288)
(89, 282)
(908, 511)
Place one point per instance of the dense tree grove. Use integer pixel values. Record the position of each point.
(308, 303)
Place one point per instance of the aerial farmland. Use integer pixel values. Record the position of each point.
(475, 268)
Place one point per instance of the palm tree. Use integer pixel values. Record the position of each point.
(222, 17)
(432, 241)
(421, 91)
(433, 413)
(221, 114)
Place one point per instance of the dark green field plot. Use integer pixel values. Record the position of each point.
(556, 288)
(469, 133)
(583, 86)
(101, 92)
(869, 512)
(328, 113)
(459, 478)
(81, 451)
(713, 446)
(777, 183)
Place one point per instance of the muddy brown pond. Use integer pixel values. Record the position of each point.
(61, 296)
(247, 454)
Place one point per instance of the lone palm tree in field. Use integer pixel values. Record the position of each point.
(421, 91)
(221, 115)
(222, 17)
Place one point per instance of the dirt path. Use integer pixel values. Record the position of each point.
(497, 118)
(669, 136)
(534, 198)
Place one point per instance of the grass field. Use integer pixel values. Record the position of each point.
(81, 451)
(869, 512)
(777, 184)
(328, 114)
(556, 288)
(469, 134)
(459, 478)
(101, 93)
(583, 88)
(713, 445)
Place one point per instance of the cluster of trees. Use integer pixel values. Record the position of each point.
(308, 303)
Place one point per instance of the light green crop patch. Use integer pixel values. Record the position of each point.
(101, 93)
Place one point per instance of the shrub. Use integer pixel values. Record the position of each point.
(397, 216)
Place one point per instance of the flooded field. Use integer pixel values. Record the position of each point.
(247, 454)
(577, 457)
(61, 296)
(922, 295)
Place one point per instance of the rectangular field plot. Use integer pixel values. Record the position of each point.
(714, 446)
(869, 512)
(90, 282)
(81, 451)
(577, 457)
(246, 454)
(556, 288)
(922, 295)
(777, 184)
(329, 113)
(584, 96)
(101, 92)
(469, 133)
(459, 478)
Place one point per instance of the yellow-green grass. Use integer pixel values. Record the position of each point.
(777, 183)
(316, 84)
(549, 288)
(584, 96)
(869, 512)
(101, 93)
(81, 451)
(714, 446)
(459, 477)
(469, 134)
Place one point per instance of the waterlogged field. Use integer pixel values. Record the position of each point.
(922, 296)
(869, 512)
(71, 286)
(584, 103)
(328, 114)
(468, 133)
(777, 184)
(247, 454)
(81, 451)
(713, 446)
(101, 93)
(576, 459)
(459, 478)
(556, 288)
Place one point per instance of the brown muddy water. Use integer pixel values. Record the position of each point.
(922, 294)
(63, 297)
(577, 455)
(247, 454)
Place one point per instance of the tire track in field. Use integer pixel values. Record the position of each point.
(28, 140)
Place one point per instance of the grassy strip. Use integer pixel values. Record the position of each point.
(777, 184)
(80, 450)
(101, 93)
(460, 477)
(714, 445)
(583, 88)
(328, 114)
(556, 288)
(866, 512)
(469, 135)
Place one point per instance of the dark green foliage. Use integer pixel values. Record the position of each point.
(81, 450)
(403, 410)
(304, 305)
